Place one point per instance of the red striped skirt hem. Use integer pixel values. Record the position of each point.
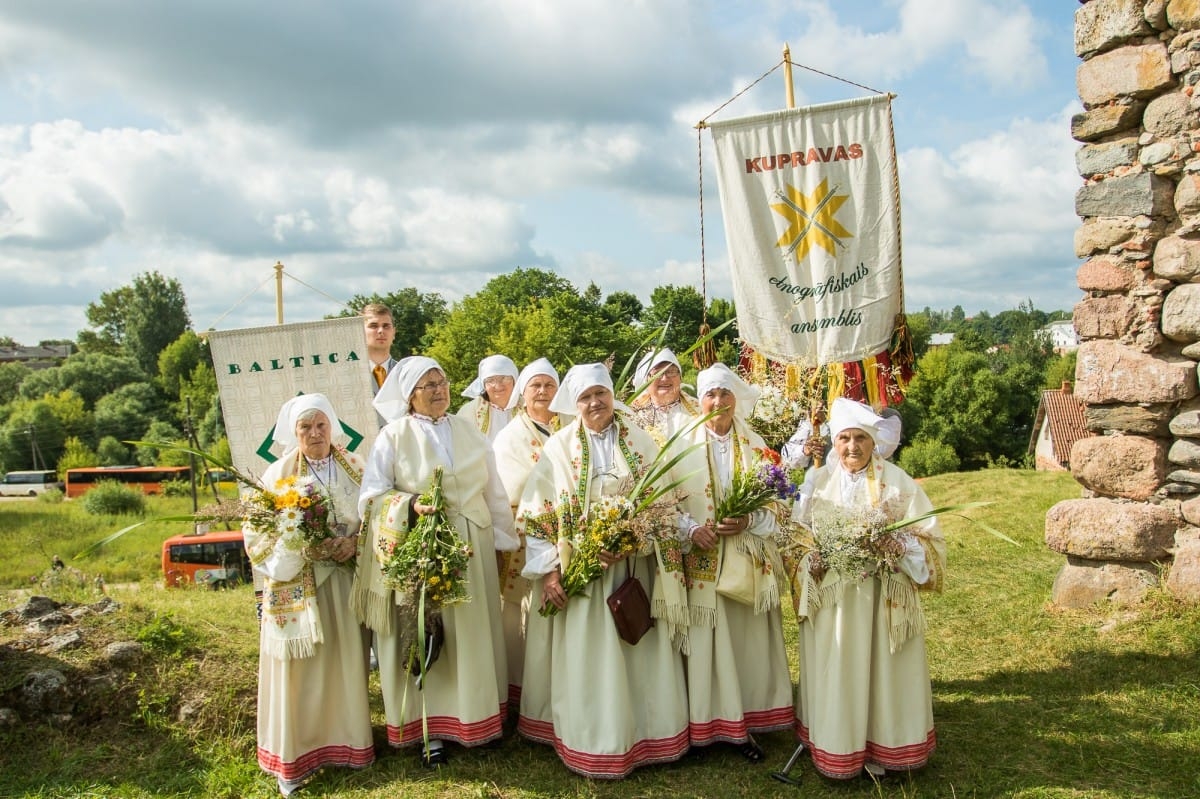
(841, 766)
(310, 762)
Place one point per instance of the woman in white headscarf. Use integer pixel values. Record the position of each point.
(738, 679)
(518, 447)
(463, 693)
(491, 394)
(612, 707)
(662, 409)
(313, 708)
(864, 699)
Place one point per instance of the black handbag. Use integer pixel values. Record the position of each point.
(630, 609)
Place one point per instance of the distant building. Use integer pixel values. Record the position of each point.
(1058, 425)
(941, 339)
(36, 357)
(1061, 336)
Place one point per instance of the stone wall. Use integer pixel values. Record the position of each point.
(1139, 322)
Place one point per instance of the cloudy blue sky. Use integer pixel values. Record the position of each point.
(371, 145)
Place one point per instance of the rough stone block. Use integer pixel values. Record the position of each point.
(1187, 195)
(1184, 452)
(1104, 24)
(1106, 273)
(1106, 529)
(1107, 372)
(1129, 195)
(1178, 259)
(1141, 70)
(1181, 313)
(1100, 159)
(1183, 15)
(1183, 580)
(1082, 583)
(1169, 115)
(1155, 13)
(1130, 467)
(1096, 123)
(1144, 420)
(1105, 317)
(1100, 235)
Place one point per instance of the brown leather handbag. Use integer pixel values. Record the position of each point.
(630, 608)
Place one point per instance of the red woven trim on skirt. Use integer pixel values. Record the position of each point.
(309, 762)
(737, 731)
(448, 728)
(514, 695)
(845, 766)
(606, 767)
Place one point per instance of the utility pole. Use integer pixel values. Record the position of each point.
(35, 452)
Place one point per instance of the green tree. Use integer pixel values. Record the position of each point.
(682, 307)
(128, 411)
(68, 408)
(90, 375)
(111, 452)
(178, 360)
(200, 390)
(11, 377)
(1060, 369)
(413, 313)
(76, 455)
(163, 433)
(623, 308)
(141, 319)
(31, 431)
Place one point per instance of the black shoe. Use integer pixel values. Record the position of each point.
(434, 758)
(752, 751)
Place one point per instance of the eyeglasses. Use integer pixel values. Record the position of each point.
(438, 386)
(670, 371)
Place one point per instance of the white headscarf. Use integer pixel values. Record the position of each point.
(889, 433)
(541, 366)
(393, 396)
(846, 413)
(721, 376)
(580, 378)
(289, 415)
(491, 366)
(652, 359)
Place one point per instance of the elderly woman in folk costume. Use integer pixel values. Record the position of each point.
(491, 394)
(313, 709)
(662, 409)
(737, 668)
(463, 692)
(613, 706)
(518, 447)
(864, 699)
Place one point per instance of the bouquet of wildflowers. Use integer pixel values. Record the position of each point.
(429, 569)
(857, 543)
(776, 416)
(761, 486)
(621, 524)
(297, 511)
(432, 559)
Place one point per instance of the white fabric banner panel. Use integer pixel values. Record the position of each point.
(810, 199)
(260, 368)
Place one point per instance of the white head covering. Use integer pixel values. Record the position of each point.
(846, 413)
(541, 366)
(393, 396)
(889, 433)
(651, 360)
(289, 414)
(580, 378)
(491, 366)
(721, 376)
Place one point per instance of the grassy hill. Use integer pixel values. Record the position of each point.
(1030, 701)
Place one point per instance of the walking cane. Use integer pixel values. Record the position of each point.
(785, 775)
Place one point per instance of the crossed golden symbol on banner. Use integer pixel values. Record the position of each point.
(811, 219)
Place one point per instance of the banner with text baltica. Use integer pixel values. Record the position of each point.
(260, 368)
(810, 199)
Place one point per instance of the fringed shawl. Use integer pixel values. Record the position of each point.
(290, 615)
(887, 485)
(555, 502)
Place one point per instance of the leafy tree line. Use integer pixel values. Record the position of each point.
(140, 367)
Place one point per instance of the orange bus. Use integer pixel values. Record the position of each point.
(148, 478)
(215, 559)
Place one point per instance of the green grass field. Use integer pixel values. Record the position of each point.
(1030, 701)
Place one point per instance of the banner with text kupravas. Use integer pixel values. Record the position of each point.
(259, 368)
(810, 199)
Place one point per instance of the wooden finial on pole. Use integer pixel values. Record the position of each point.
(788, 88)
(279, 292)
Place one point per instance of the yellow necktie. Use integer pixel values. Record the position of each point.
(380, 374)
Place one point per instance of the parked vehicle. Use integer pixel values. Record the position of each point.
(29, 483)
(215, 559)
(148, 478)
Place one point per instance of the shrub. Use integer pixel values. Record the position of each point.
(165, 636)
(177, 488)
(925, 457)
(51, 495)
(110, 498)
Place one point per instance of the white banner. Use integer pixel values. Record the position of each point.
(810, 198)
(260, 368)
